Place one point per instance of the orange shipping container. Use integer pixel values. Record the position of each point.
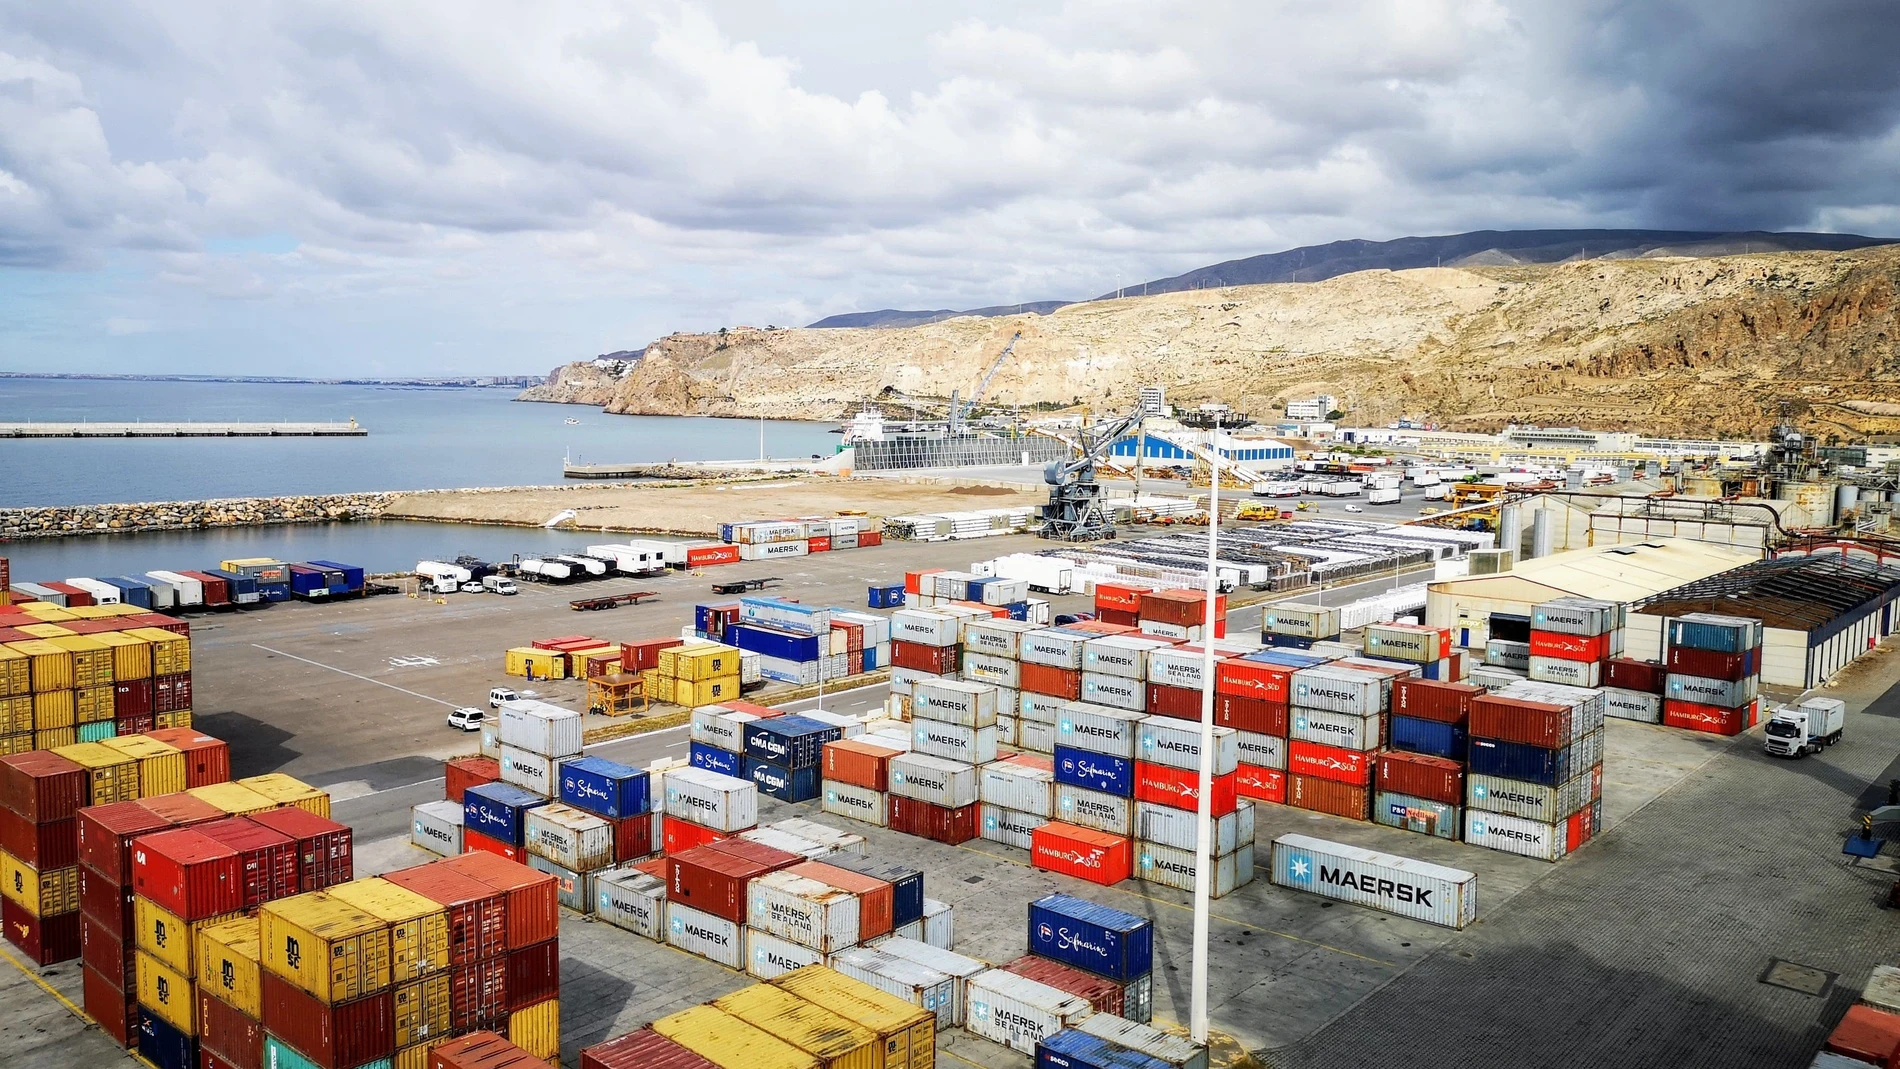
(860, 764)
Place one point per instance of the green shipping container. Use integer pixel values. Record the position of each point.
(281, 1055)
(98, 731)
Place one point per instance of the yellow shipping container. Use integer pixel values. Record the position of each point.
(92, 660)
(416, 1057)
(21, 742)
(537, 1029)
(288, 790)
(695, 693)
(16, 673)
(54, 738)
(697, 662)
(43, 894)
(110, 775)
(46, 610)
(422, 1010)
(536, 664)
(168, 937)
(16, 714)
(54, 709)
(131, 655)
(418, 927)
(334, 951)
(834, 1041)
(106, 612)
(161, 765)
(908, 1032)
(48, 666)
(730, 1043)
(166, 994)
(232, 798)
(180, 718)
(47, 630)
(658, 688)
(228, 962)
(171, 652)
(92, 704)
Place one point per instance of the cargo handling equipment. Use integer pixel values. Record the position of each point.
(611, 601)
(741, 586)
(1074, 512)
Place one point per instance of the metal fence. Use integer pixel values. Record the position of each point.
(901, 453)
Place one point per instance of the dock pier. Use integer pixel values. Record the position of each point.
(350, 429)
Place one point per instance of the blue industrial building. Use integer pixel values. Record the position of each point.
(1240, 450)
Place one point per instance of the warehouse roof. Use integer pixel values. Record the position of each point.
(1628, 572)
(1798, 593)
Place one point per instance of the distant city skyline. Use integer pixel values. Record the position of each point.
(363, 189)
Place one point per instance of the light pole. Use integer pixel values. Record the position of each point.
(1204, 800)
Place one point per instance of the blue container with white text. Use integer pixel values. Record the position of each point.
(785, 784)
(713, 759)
(1097, 772)
(497, 810)
(790, 741)
(1094, 938)
(604, 788)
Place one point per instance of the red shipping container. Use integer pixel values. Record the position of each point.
(1179, 703)
(137, 724)
(464, 772)
(474, 842)
(103, 949)
(712, 881)
(758, 853)
(1179, 788)
(152, 619)
(44, 940)
(876, 898)
(633, 837)
(114, 1008)
(1262, 784)
(1429, 699)
(478, 995)
(1516, 720)
(1055, 682)
(935, 822)
(565, 642)
(1694, 716)
(997, 612)
(75, 597)
(653, 866)
(1329, 796)
(678, 836)
(640, 656)
(1253, 679)
(763, 712)
(1713, 665)
(1031, 760)
(182, 810)
(820, 544)
(853, 635)
(1083, 853)
(1569, 647)
(337, 1036)
(267, 858)
(645, 1049)
(1257, 715)
(1106, 996)
(1436, 779)
(534, 913)
(1630, 674)
(41, 786)
(698, 555)
(1125, 597)
(171, 694)
(1868, 1034)
(188, 874)
(131, 697)
(917, 657)
(229, 1034)
(209, 1060)
(867, 539)
(482, 1050)
(1182, 608)
(534, 973)
(1329, 762)
(43, 846)
(207, 760)
(104, 901)
(325, 849)
(861, 764)
(913, 580)
(1119, 618)
(478, 914)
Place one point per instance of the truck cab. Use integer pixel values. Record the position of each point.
(1799, 730)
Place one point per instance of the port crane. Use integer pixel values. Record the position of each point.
(960, 410)
(1074, 512)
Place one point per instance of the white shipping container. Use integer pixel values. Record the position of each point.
(698, 932)
(1008, 826)
(772, 550)
(1505, 653)
(851, 726)
(437, 827)
(1171, 632)
(840, 841)
(779, 839)
(1177, 744)
(1053, 648)
(940, 924)
(1339, 690)
(1533, 801)
(959, 967)
(954, 701)
(573, 839)
(1171, 1050)
(529, 771)
(1019, 787)
(633, 900)
(1006, 730)
(1116, 692)
(1576, 616)
(1092, 809)
(850, 800)
(768, 957)
(926, 627)
(987, 668)
(1041, 708)
(1568, 673)
(1171, 866)
(1726, 693)
(1040, 738)
(1262, 751)
(715, 725)
(916, 984)
(1006, 699)
(1176, 827)
(1119, 655)
(999, 638)
(538, 727)
(803, 911)
(974, 746)
(1420, 890)
(1179, 667)
(1640, 706)
(1097, 729)
(1400, 642)
(1017, 1011)
(933, 779)
(1344, 730)
(1517, 835)
(1005, 592)
(722, 803)
(1300, 621)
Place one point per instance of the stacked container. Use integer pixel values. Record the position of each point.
(796, 643)
(618, 794)
(925, 644)
(535, 736)
(1633, 689)
(67, 678)
(701, 807)
(1714, 678)
(1421, 776)
(1298, 626)
(1094, 774)
(784, 754)
(1571, 640)
(693, 674)
(1534, 781)
(856, 775)
(1336, 724)
(1017, 795)
(41, 793)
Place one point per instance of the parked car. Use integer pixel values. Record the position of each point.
(1354, 508)
(467, 718)
(501, 694)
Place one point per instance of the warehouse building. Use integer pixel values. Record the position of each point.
(1819, 611)
(1627, 573)
(1168, 445)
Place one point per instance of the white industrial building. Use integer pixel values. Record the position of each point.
(1311, 409)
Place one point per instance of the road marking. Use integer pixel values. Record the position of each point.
(353, 675)
(413, 662)
(670, 745)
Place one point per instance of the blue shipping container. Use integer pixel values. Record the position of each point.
(1514, 760)
(306, 581)
(1018, 610)
(163, 1045)
(1287, 657)
(1709, 635)
(239, 584)
(1071, 1049)
(772, 642)
(131, 591)
(352, 574)
(713, 759)
(274, 591)
(868, 662)
(785, 784)
(1285, 642)
(1093, 938)
(907, 884)
(604, 788)
(1429, 737)
(497, 809)
(790, 741)
(1097, 772)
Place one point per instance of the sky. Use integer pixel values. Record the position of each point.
(426, 188)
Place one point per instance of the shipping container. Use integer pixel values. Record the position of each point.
(1019, 1012)
(1170, 1050)
(859, 763)
(1174, 827)
(1352, 801)
(533, 914)
(1520, 761)
(1531, 838)
(1433, 737)
(1415, 889)
(233, 799)
(167, 993)
(1340, 690)
(419, 938)
(41, 786)
(644, 1049)
(1264, 784)
(325, 947)
(228, 963)
(1110, 813)
(1576, 616)
(207, 760)
(834, 1041)
(44, 940)
(1255, 715)
(1346, 731)
(47, 893)
(1641, 706)
(437, 827)
(934, 780)
(721, 803)
(332, 1036)
(499, 810)
(113, 1007)
(1107, 942)
(708, 935)
(1426, 699)
(1018, 787)
(906, 1033)
(1084, 853)
(188, 874)
(227, 1034)
(268, 860)
(1421, 775)
(1532, 801)
(43, 846)
(1095, 771)
(850, 800)
(1163, 785)
(944, 824)
(633, 900)
(1720, 634)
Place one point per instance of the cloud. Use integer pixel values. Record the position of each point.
(580, 172)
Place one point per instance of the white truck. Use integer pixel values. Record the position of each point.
(442, 578)
(499, 584)
(1797, 730)
(1437, 492)
(1383, 496)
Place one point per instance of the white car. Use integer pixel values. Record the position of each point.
(1354, 508)
(471, 588)
(467, 718)
(499, 695)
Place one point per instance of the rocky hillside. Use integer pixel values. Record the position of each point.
(1664, 345)
(584, 382)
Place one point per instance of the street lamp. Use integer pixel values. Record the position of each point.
(1204, 801)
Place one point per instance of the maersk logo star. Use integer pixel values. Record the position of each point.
(1302, 869)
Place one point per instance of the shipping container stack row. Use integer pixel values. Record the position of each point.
(567, 657)
(232, 584)
(89, 674)
(770, 539)
(938, 587)
(798, 643)
(1713, 682)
